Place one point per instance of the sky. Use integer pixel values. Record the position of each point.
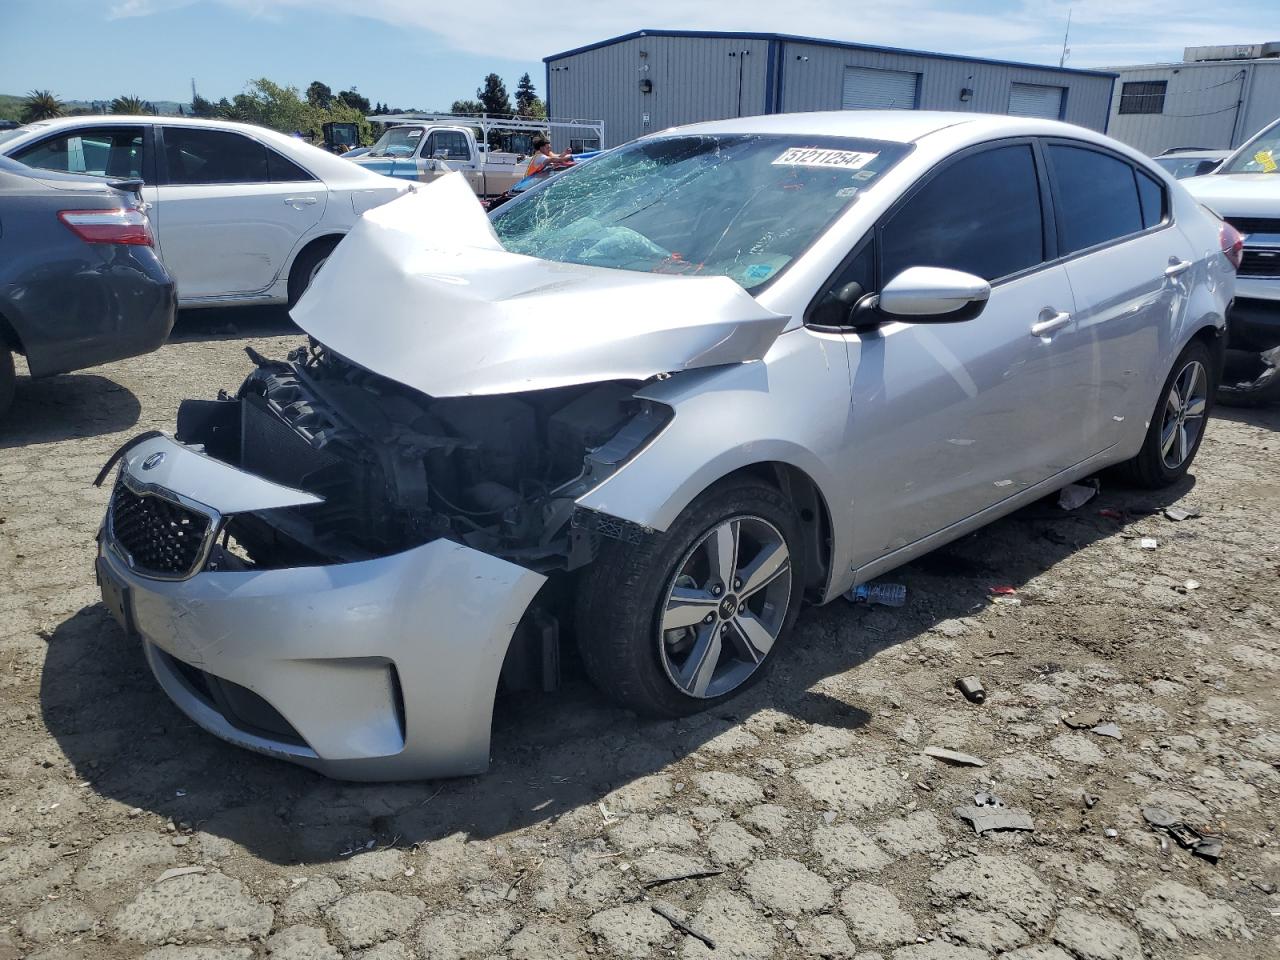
(426, 54)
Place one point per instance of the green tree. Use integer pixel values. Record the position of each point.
(130, 105)
(41, 105)
(467, 106)
(526, 96)
(319, 95)
(200, 107)
(354, 100)
(493, 95)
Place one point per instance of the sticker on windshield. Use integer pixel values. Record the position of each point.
(414, 134)
(818, 157)
(1265, 160)
(844, 193)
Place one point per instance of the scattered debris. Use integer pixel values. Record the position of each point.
(1111, 514)
(667, 914)
(972, 689)
(675, 877)
(1083, 720)
(883, 594)
(1111, 833)
(953, 756)
(989, 813)
(1107, 730)
(178, 872)
(1002, 591)
(1075, 495)
(1192, 584)
(1089, 800)
(1149, 543)
(1178, 514)
(1203, 845)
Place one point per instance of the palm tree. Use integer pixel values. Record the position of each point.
(130, 105)
(41, 105)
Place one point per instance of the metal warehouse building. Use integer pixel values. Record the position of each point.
(654, 79)
(1215, 99)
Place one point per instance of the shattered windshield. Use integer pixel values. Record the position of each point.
(740, 206)
(397, 142)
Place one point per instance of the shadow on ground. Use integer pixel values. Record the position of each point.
(66, 407)
(232, 323)
(552, 753)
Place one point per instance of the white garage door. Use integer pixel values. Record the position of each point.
(868, 89)
(1035, 100)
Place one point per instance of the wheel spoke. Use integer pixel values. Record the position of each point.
(700, 666)
(723, 547)
(770, 563)
(687, 607)
(751, 637)
(1167, 438)
(1195, 408)
(1184, 444)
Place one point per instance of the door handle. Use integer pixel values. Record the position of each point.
(299, 202)
(1176, 267)
(1050, 322)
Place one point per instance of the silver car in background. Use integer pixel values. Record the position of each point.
(655, 404)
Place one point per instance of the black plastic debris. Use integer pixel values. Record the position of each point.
(1203, 845)
(972, 689)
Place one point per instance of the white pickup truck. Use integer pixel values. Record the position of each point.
(425, 151)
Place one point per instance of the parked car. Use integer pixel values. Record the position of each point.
(1245, 190)
(1190, 162)
(80, 282)
(242, 214)
(423, 152)
(657, 402)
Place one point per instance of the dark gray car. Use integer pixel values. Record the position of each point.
(80, 281)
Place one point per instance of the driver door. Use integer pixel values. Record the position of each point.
(949, 419)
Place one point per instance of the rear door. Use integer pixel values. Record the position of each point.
(230, 211)
(951, 418)
(1130, 273)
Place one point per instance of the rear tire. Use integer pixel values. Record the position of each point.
(8, 380)
(1178, 423)
(306, 266)
(632, 600)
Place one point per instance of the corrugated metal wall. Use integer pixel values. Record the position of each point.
(1216, 106)
(812, 73)
(696, 78)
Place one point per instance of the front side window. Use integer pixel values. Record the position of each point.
(743, 206)
(980, 215)
(197, 156)
(1260, 156)
(100, 152)
(449, 144)
(1143, 96)
(1097, 198)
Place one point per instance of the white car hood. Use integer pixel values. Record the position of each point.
(423, 292)
(1238, 194)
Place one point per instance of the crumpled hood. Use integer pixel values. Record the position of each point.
(1238, 194)
(423, 292)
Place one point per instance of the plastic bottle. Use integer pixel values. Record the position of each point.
(884, 594)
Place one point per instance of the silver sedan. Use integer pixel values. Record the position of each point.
(653, 406)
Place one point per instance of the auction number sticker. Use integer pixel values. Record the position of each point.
(819, 157)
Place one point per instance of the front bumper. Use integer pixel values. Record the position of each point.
(377, 670)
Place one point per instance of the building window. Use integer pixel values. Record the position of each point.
(584, 144)
(1143, 96)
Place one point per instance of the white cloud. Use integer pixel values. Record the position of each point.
(1103, 31)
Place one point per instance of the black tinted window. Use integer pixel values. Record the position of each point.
(213, 156)
(1151, 198)
(101, 152)
(283, 170)
(1097, 198)
(980, 215)
(452, 144)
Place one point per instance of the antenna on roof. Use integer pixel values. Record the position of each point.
(1066, 51)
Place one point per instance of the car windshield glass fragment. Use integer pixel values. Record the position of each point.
(397, 142)
(739, 206)
(1261, 156)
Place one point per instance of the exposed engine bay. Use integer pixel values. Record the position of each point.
(397, 468)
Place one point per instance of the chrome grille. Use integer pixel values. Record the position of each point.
(159, 538)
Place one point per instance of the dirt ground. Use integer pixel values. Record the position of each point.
(823, 828)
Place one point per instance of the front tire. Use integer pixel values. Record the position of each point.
(692, 616)
(1178, 423)
(8, 380)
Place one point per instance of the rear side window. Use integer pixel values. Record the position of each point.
(981, 215)
(198, 156)
(1150, 198)
(283, 170)
(1097, 198)
(99, 152)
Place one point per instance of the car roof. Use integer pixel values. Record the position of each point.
(902, 126)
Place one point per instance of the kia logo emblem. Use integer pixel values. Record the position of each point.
(153, 461)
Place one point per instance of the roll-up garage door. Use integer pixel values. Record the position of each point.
(1035, 100)
(866, 88)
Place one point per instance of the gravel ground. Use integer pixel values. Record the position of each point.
(826, 829)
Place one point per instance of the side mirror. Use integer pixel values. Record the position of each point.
(933, 295)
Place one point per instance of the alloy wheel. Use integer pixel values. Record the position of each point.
(725, 607)
(1184, 411)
